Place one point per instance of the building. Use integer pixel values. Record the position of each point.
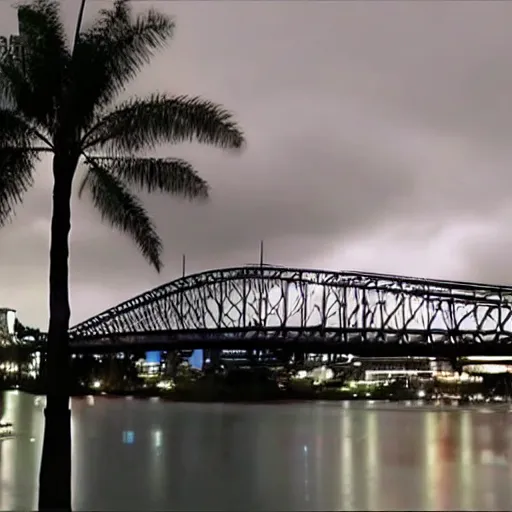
(7, 322)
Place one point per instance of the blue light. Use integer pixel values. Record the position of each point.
(128, 437)
(196, 359)
(153, 357)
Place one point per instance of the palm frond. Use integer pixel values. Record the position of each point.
(15, 90)
(123, 211)
(14, 131)
(45, 57)
(144, 123)
(112, 52)
(41, 29)
(170, 175)
(16, 177)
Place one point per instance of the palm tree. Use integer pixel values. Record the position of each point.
(64, 102)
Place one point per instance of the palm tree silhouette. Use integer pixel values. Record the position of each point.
(64, 102)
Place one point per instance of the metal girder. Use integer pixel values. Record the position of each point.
(264, 302)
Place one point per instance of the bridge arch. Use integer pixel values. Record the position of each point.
(265, 302)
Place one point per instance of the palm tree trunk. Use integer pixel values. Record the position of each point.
(55, 472)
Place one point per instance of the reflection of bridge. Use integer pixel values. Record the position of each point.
(308, 310)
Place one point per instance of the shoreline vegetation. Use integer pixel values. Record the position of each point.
(178, 381)
(244, 389)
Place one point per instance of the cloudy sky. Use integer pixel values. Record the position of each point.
(379, 138)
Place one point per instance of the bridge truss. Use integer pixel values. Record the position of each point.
(272, 304)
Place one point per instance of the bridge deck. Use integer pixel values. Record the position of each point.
(276, 307)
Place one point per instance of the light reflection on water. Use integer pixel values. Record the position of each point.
(141, 455)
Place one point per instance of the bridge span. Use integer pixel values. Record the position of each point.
(312, 310)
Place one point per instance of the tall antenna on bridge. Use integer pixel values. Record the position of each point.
(261, 253)
(183, 265)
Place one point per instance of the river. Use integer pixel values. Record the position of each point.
(151, 455)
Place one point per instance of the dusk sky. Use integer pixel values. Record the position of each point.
(379, 138)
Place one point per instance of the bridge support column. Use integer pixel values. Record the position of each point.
(172, 360)
(285, 357)
(299, 357)
(252, 356)
(456, 364)
(41, 371)
(213, 356)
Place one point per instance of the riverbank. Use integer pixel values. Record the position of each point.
(213, 394)
(216, 395)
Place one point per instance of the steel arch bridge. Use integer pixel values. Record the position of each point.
(313, 310)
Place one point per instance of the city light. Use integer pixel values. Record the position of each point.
(128, 437)
(9, 367)
(491, 369)
(6, 430)
(165, 384)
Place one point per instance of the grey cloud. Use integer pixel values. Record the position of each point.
(487, 252)
(378, 138)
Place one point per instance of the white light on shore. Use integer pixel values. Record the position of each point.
(164, 384)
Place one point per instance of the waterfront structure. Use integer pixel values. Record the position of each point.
(7, 323)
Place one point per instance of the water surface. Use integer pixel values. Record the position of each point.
(153, 455)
